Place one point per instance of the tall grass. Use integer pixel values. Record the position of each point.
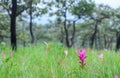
(34, 62)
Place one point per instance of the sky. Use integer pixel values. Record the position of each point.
(111, 3)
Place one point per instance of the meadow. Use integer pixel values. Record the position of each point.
(57, 61)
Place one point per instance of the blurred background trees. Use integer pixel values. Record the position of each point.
(72, 22)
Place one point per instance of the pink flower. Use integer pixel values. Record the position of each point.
(100, 55)
(77, 49)
(2, 55)
(119, 51)
(82, 56)
(116, 76)
(11, 53)
(92, 50)
(66, 52)
(46, 52)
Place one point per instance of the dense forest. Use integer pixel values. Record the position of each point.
(73, 22)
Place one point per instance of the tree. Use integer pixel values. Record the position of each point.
(65, 8)
(98, 16)
(31, 32)
(13, 25)
(35, 11)
(13, 10)
(81, 9)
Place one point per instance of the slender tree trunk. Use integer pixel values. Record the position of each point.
(31, 32)
(23, 30)
(61, 38)
(99, 41)
(73, 34)
(105, 41)
(94, 35)
(66, 30)
(13, 25)
(118, 41)
(66, 33)
(109, 42)
(95, 41)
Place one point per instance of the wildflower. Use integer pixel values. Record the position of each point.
(100, 55)
(46, 52)
(119, 51)
(82, 57)
(116, 76)
(11, 54)
(77, 49)
(66, 52)
(92, 50)
(2, 55)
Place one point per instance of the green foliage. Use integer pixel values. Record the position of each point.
(82, 8)
(4, 26)
(44, 11)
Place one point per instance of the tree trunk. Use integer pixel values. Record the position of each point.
(61, 38)
(31, 32)
(66, 30)
(95, 41)
(105, 41)
(13, 25)
(110, 43)
(93, 36)
(73, 35)
(66, 34)
(118, 41)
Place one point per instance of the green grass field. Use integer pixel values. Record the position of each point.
(35, 62)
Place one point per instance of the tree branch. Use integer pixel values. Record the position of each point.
(5, 7)
(21, 11)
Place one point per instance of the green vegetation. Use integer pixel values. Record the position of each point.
(35, 62)
(25, 31)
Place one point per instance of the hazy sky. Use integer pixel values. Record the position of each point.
(112, 3)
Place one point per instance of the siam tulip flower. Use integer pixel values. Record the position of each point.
(77, 49)
(92, 50)
(100, 55)
(3, 55)
(119, 51)
(66, 52)
(11, 54)
(82, 57)
(116, 76)
(46, 52)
